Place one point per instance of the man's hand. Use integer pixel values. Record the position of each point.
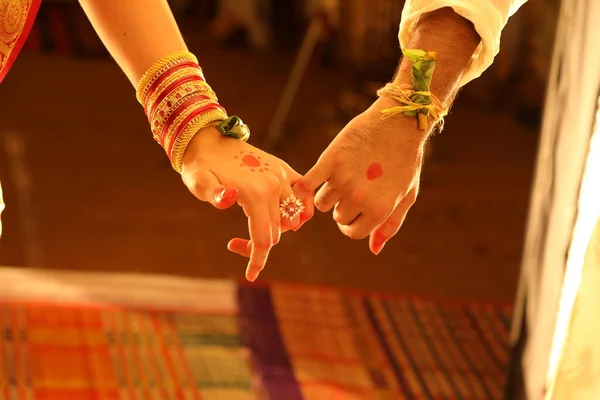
(371, 170)
(371, 175)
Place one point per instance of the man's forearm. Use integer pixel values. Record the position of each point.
(454, 39)
(135, 32)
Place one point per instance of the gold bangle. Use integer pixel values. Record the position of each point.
(186, 72)
(171, 100)
(176, 124)
(183, 140)
(159, 68)
(158, 122)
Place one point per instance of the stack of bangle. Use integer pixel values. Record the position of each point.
(178, 103)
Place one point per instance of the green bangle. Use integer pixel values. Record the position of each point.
(234, 127)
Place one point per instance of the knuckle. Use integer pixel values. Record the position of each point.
(339, 156)
(321, 205)
(253, 192)
(339, 219)
(267, 186)
(358, 196)
(356, 234)
(337, 160)
(271, 183)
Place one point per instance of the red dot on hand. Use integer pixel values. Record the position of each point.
(375, 171)
(250, 161)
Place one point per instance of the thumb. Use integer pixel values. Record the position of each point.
(207, 187)
(314, 178)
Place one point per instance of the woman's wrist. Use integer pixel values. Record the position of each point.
(178, 103)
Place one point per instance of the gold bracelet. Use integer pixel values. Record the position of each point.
(160, 89)
(158, 122)
(172, 100)
(176, 124)
(159, 68)
(205, 120)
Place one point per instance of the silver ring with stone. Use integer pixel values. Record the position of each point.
(291, 208)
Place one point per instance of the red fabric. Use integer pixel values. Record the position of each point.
(18, 43)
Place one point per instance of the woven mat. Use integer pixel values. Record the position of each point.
(70, 336)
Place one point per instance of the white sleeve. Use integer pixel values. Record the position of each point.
(488, 16)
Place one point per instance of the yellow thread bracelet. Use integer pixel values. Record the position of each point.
(402, 94)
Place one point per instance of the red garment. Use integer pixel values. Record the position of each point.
(16, 20)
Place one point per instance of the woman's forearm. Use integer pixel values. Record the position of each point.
(135, 32)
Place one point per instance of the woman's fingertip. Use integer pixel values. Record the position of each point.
(251, 277)
(378, 249)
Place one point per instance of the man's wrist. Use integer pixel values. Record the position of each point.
(406, 126)
(455, 41)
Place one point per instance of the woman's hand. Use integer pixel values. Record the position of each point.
(222, 171)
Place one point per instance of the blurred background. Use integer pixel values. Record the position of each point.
(87, 188)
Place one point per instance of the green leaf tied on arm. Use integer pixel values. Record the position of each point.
(424, 63)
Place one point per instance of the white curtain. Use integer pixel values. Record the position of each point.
(565, 203)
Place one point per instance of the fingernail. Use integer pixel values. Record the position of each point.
(379, 242)
(225, 198)
(379, 248)
(219, 195)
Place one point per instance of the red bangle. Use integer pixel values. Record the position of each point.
(199, 111)
(169, 89)
(168, 73)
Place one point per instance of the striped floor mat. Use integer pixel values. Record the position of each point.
(83, 336)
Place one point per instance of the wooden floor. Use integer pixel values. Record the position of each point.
(103, 197)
